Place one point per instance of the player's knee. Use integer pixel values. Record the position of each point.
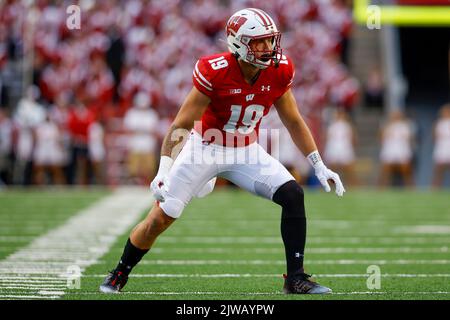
(172, 207)
(290, 196)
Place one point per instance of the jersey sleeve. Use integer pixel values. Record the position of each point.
(289, 72)
(287, 69)
(202, 78)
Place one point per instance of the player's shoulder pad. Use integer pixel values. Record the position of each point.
(286, 68)
(209, 68)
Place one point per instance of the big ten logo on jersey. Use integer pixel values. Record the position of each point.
(218, 63)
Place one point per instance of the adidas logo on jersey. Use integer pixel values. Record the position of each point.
(249, 97)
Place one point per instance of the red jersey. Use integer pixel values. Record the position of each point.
(234, 114)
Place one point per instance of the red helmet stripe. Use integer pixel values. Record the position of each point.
(269, 19)
(263, 18)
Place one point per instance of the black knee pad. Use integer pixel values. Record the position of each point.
(290, 196)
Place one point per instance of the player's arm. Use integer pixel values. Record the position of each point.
(191, 110)
(287, 109)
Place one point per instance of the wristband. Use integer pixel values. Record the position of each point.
(314, 159)
(165, 163)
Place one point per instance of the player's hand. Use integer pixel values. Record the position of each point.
(324, 174)
(159, 185)
(159, 188)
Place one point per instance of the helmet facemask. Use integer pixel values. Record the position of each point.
(262, 58)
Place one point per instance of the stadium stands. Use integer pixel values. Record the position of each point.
(126, 47)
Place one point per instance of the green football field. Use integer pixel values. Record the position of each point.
(228, 246)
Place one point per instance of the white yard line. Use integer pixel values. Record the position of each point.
(27, 297)
(380, 239)
(276, 275)
(280, 250)
(371, 239)
(424, 229)
(80, 242)
(171, 293)
(283, 262)
(12, 238)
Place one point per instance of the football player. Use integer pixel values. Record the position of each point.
(232, 91)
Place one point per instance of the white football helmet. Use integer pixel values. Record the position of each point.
(249, 24)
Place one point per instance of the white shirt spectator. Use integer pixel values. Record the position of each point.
(6, 130)
(141, 122)
(339, 145)
(441, 154)
(48, 150)
(96, 145)
(396, 145)
(29, 114)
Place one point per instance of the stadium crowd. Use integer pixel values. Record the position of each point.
(128, 68)
(125, 49)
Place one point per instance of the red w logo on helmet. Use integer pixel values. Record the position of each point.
(235, 23)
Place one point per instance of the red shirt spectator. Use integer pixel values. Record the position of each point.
(80, 118)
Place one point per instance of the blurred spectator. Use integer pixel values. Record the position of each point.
(99, 83)
(6, 154)
(141, 123)
(48, 154)
(4, 93)
(336, 14)
(397, 140)
(80, 118)
(126, 47)
(374, 88)
(115, 57)
(441, 154)
(29, 114)
(96, 146)
(152, 47)
(339, 147)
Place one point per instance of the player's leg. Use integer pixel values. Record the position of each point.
(39, 174)
(145, 233)
(438, 172)
(385, 175)
(186, 178)
(138, 244)
(268, 178)
(57, 174)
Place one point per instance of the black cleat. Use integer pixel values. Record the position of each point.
(114, 282)
(300, 283)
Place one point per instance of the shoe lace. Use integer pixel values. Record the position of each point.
(116, 276)
(301, 282)
(302, 275)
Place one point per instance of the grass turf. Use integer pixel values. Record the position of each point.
(233, 232)
(28, 213)
(228, 245)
